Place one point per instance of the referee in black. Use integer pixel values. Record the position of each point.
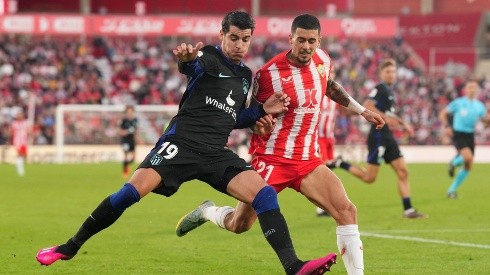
(193, 146)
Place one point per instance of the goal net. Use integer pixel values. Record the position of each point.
(99, 124)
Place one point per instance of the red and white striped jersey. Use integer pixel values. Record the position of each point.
(20, 132)
(327, 118)
(295, 135)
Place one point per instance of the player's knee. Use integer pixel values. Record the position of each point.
(346, 213)
(125, 197)
(351, 210)
(369, 178)
(265, 200)
(403, 174)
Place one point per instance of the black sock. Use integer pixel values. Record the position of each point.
(102, 217)
(345, 165)
(407, 204)
(276, 232)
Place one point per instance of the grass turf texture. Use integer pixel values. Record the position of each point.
(48, 205)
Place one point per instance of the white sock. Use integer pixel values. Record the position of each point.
(20, 166)
(350, 247)
(217, 215)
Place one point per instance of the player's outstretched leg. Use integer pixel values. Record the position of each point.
(193, 219)
(108, 211)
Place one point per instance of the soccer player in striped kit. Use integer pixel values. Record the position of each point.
(193, 147)
(20, 134)
(288, 156)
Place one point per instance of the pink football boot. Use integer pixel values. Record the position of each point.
(318, 266)
(47, 256)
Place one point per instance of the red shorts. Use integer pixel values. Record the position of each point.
(326, 148)
(281, 172)
(21, 150)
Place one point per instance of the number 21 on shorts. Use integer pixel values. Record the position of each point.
(261, 167)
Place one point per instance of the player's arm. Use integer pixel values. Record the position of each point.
(485, 118)
(337, 93)
(443, 117)
(188, 63)
(122, 129)
(265, 125)
(275, 104)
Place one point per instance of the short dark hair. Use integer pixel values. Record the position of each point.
(239, 19)
(307, 22)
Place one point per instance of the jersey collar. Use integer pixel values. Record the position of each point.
(228, 61)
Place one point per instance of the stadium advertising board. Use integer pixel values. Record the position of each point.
(113, 153)
(451, 37)
(193, 25)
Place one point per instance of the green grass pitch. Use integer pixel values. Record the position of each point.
(47, 206)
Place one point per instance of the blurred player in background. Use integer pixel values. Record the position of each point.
(466, 112)
(128, 127)
(193, 147)
(382, 145)
(288, 156)
(20, 131)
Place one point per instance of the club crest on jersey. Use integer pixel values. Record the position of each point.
(156, 159)
(255, 88)
(321, 70)
(246, 85)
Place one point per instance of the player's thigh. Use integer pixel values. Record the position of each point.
(323, 188)
(145, 180)
(245, 185)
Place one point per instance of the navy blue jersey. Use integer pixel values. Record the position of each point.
(216, 94)
(129, 125)
(384, 100)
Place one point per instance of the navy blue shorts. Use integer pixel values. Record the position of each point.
(178, 160)
(382, 147)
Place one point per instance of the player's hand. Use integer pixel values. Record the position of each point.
(409, 129)
(265, 125)
(374, 118)
(448, 131)
(392, 122)
(187, 52)
(277, 103)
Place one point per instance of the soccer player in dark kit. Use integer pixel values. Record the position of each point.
(193, 147)
(127, 130)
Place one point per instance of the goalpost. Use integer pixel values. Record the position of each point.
(98, 124)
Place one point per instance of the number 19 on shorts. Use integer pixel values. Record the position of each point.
(169, 150)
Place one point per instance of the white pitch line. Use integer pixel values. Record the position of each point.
(423, 240)
(480, 230)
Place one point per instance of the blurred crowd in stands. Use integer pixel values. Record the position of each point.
(45, 72)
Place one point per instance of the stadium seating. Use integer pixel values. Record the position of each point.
(139, 71)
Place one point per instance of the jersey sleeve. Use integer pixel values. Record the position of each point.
(452, 107)
(262, 87)
(483, 110)
(377, 94)
(123, 124)
(206, 59)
